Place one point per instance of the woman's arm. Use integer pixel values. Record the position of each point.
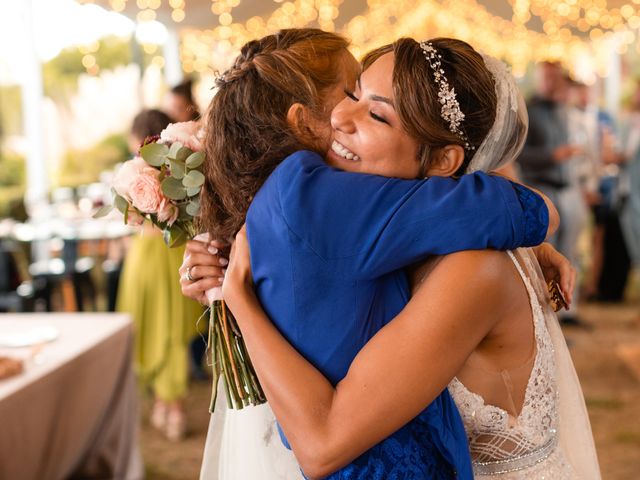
(510, 173)
(381, 224)
(556, 266)
(554, 215)
(393, 378)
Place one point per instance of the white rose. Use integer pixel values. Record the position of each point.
(188, 133)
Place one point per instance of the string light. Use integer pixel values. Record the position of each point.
(571, 28)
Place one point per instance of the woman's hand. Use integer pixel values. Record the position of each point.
(238, 281)
(556, 266)
(203, 268)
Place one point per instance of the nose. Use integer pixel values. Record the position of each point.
(343, 116)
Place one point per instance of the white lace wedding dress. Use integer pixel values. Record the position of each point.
(549, 439)
(528, 445)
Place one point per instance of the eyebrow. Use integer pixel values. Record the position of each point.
(377, 98)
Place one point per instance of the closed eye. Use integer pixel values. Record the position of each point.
(378, 118)
(350, 95)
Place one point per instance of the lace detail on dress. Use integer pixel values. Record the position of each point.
(502, 444)
(408, 454)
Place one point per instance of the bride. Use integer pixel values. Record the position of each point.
(514, 382)
(436, 439)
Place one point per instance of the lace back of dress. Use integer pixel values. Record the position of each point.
(501, 442)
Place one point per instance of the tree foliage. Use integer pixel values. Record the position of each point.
(80, 167)
(60, 75)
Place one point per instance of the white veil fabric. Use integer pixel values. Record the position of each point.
(575, 436)
(505, 139)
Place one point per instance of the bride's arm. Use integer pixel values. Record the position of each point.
(393, 378)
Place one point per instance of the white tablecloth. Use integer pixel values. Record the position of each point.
(73, 412)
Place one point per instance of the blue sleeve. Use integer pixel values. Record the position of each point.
(369, 225)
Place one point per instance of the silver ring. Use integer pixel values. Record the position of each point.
(188, 275)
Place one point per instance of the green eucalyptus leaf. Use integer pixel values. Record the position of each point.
(154, 154)
(193, 191)
(193, 208)
(195, 160)
(103, 211)
(173, 189)
(193, 179)
(173, 150)
(183, 154)
(175, 236)
(182, 213)
(177, 169)
(120, 203)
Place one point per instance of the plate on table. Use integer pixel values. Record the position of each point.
(16, 335)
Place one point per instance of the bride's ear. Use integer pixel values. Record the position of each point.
(446, 161)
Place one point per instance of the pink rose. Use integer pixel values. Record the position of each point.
(167, 212)
(188, 133)
(127, 173)
(134, 218)
(145, 193)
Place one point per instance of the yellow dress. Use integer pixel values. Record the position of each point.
(165, 321)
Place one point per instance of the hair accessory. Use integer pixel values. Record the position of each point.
(219, 78)
(450, 110)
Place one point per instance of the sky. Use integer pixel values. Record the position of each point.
(57, 24)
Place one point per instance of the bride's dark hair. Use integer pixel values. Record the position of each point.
(416, 94)
(247, 134)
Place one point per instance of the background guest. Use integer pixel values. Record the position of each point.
(179, 103)
(548, 162)
(165, 320)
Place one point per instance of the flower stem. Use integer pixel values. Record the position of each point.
(225, 332)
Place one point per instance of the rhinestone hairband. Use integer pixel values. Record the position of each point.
(450, 110)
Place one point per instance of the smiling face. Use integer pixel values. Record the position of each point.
(368, 136)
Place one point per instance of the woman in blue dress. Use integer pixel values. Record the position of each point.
(330, 245)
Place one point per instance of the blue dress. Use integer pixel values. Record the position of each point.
(327, 252)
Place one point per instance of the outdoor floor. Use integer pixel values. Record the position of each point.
(611, 388)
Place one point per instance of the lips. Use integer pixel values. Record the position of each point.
(343, 151)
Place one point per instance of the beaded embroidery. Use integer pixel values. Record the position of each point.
(450, 110)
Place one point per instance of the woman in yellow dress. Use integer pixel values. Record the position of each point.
(165, 321)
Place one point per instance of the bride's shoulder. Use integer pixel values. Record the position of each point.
(486, 275)
(479, 264)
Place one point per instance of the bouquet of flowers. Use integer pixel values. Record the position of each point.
(162, 185)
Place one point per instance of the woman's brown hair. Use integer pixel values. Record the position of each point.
(246, 124)
(416, 94)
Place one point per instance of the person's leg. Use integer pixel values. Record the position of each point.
(171, 383)
(573, 218)
(590, 290)
(616, 264)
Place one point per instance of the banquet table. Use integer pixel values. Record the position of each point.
(72, 413)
